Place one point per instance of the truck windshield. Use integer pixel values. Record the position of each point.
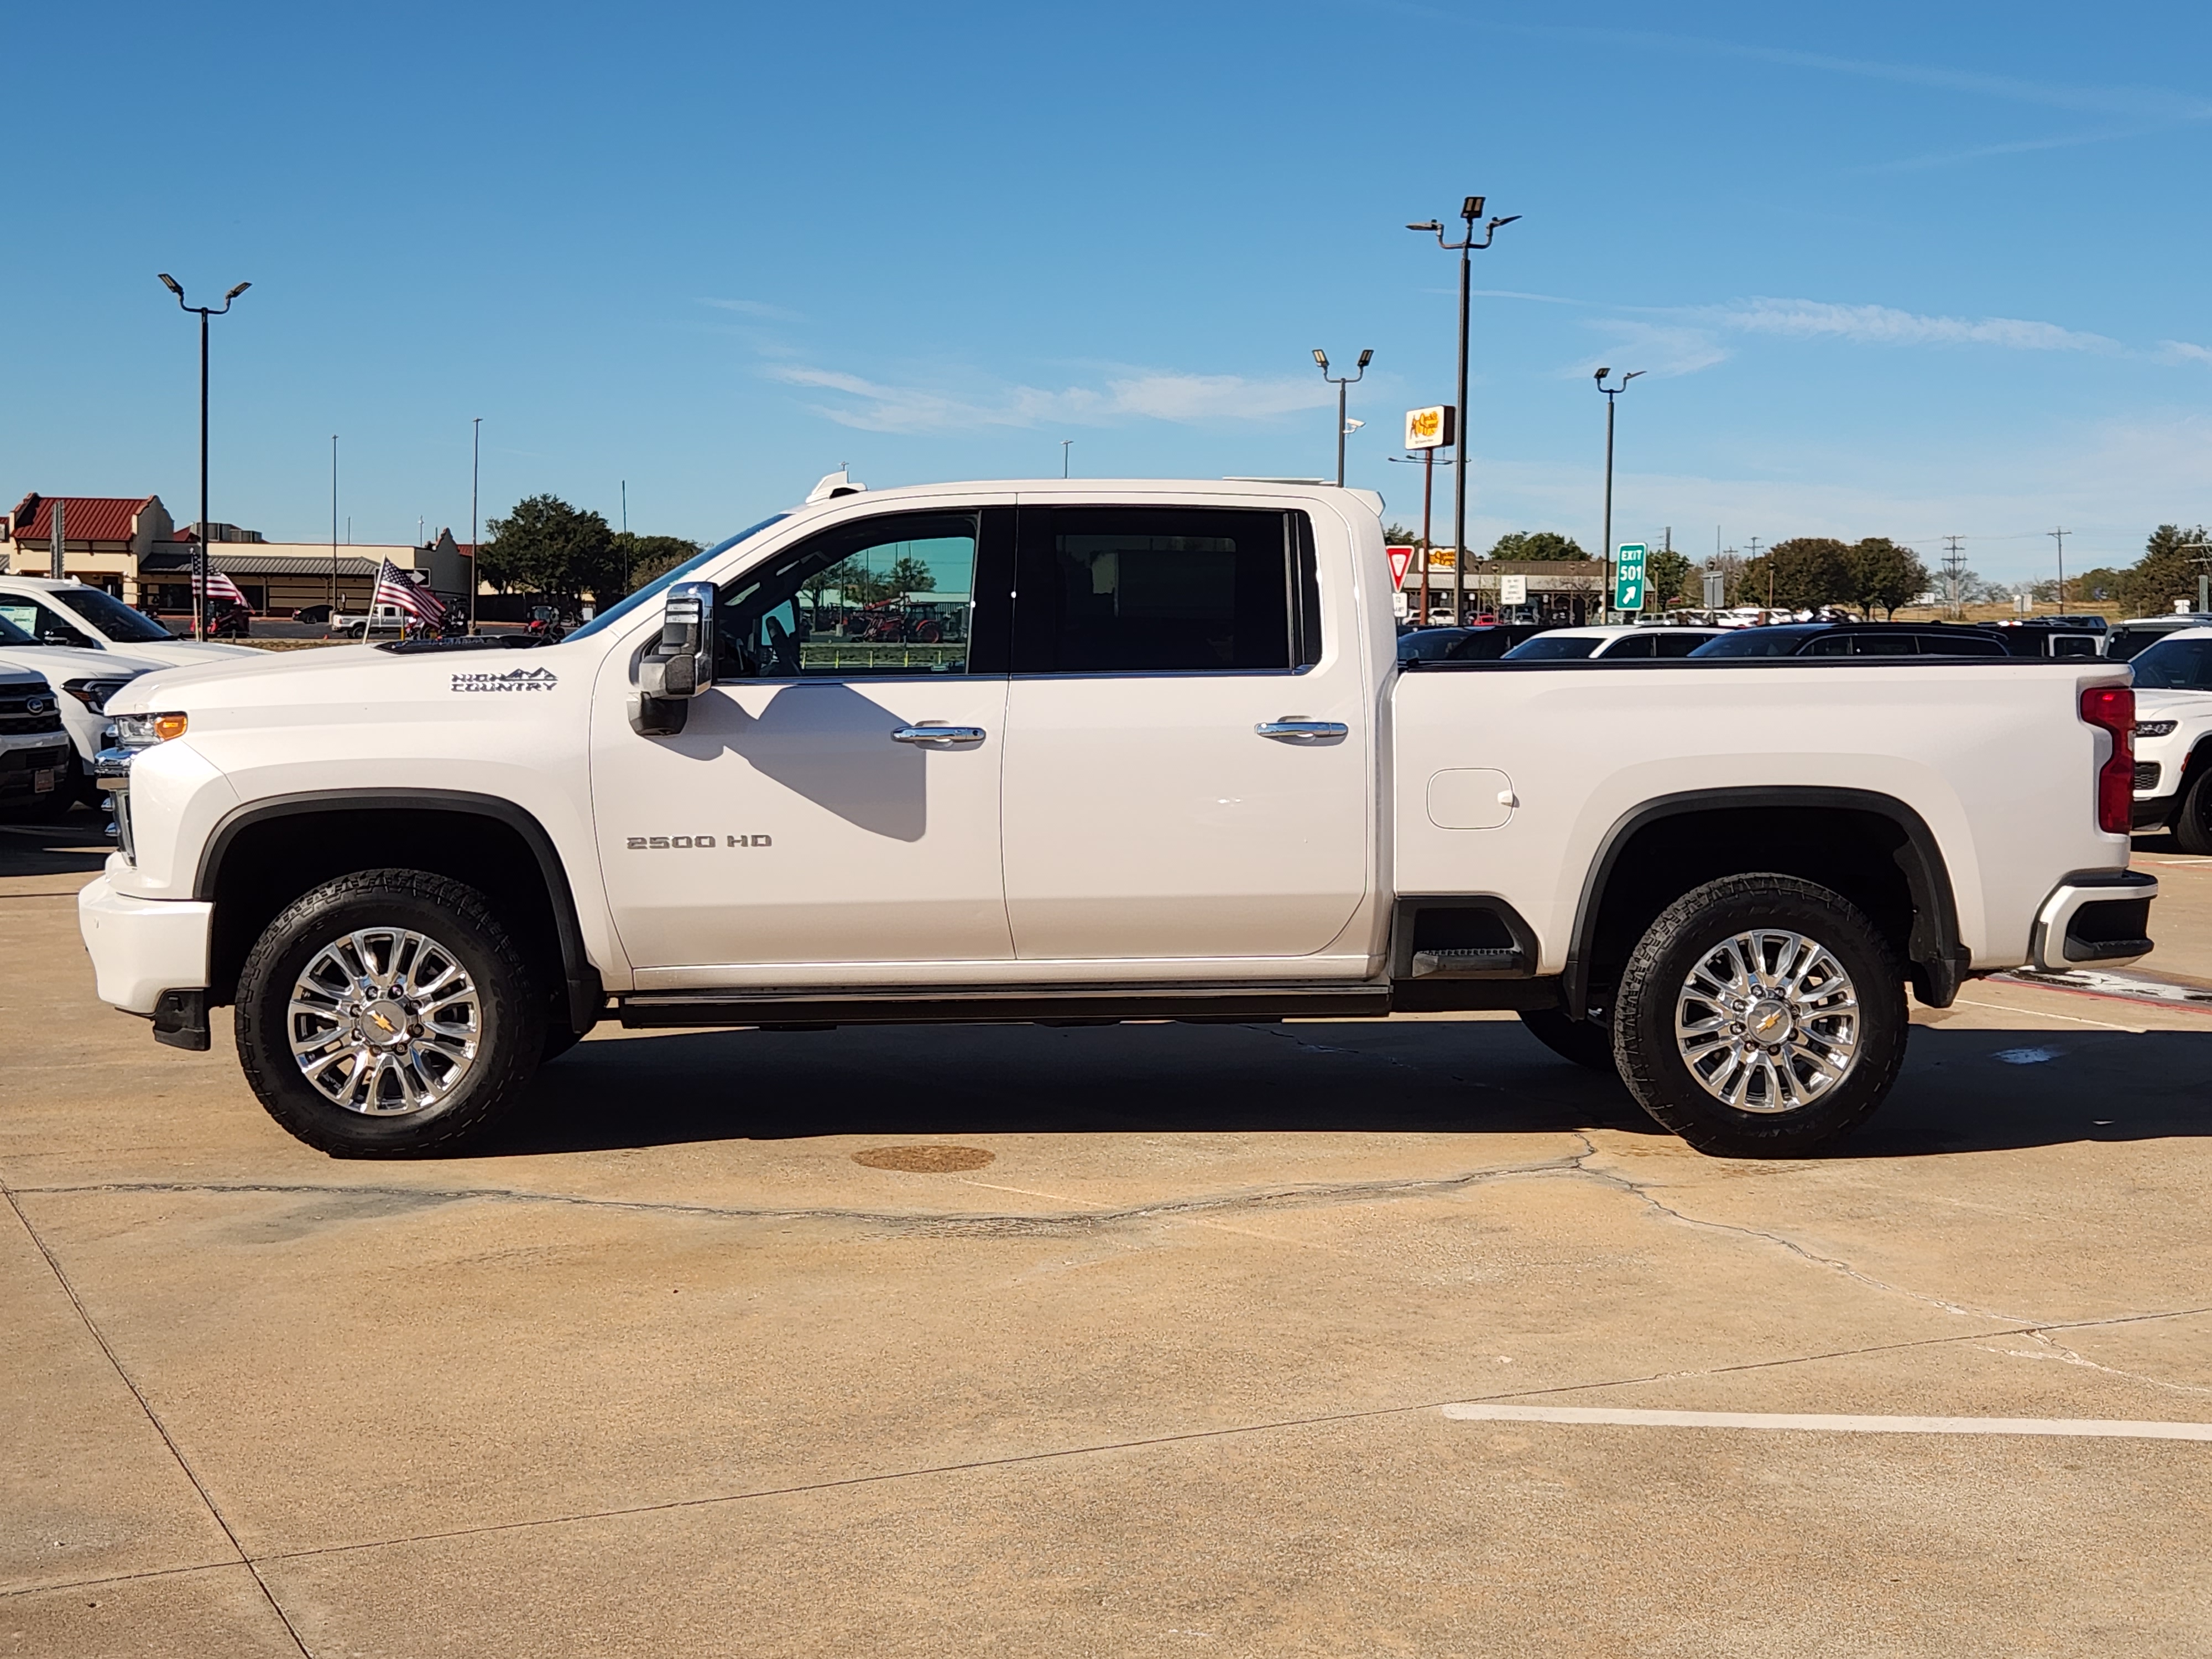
(1551, 645)
(109, 616)
(2174, 666)
(661, 583)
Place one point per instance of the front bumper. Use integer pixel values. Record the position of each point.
(28, 773)
(142, 948)
(2097, 915)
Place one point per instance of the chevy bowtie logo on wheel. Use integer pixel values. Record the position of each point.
(515, 679)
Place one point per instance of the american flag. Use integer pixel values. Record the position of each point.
(394, 586)
(216, 586)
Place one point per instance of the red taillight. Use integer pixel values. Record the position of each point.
(2113, 708)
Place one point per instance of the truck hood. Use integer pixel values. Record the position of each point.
(60, 662)
(2161, 704)
(287, 682)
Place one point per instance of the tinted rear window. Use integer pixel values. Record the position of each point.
(1755, 642)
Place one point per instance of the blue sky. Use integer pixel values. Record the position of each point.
(1891, 270)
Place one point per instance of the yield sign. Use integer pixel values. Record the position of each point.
(1401, 561)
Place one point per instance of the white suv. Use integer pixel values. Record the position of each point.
(1613, 642)
(87, 618)
(2174, 737)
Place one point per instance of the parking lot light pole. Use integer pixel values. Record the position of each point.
(1340, 382)
(1611, 392)
(199, 547)
(1469, 210)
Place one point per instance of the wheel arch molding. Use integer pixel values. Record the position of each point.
(1815, 832)
(399, 826)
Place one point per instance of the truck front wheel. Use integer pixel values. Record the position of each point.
(388, 1013)
(1760, 1016)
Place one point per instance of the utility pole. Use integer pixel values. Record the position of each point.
(2061, 535)
(1065, 444)
(58, 563)
(1754, 544)
(1954, 568)
(199, 547)
(1610, 393)
(1340, 382)
(334, 524)
(476, 550)
(1469, 210)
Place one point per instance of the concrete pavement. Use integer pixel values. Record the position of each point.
(667, 1370)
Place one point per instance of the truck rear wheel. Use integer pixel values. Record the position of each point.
(388, 1013)
(1759, 1016)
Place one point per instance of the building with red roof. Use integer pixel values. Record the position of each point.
(102, 538)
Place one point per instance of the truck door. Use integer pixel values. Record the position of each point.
(1188, 744)
(834, 799)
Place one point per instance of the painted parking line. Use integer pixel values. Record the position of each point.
(2106, 982)
(1819, 1422)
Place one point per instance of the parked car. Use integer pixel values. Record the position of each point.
(85, 680)
(1858, 640)
(1180, 775)
(2138, 634)
(2173, 736)
(87, 619)
(34, 752)
(1464, 644)
(312, 613)
(1614, 641)
(2054, 636)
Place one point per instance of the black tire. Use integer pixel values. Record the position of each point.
(1692, 931)
(1584, 1041)
(2192, 815)
(509, 1028)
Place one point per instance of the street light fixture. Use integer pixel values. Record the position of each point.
(1611, 392)
(1340, 383)
(1470, 211)
(199, 547)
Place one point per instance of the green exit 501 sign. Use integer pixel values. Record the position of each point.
(1628, 576)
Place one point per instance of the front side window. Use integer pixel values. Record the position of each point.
(889, 595)
(1674, 644)
(1630, 645)
(1102, 590)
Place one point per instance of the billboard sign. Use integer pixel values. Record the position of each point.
(1433, 428)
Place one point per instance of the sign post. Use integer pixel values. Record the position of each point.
(1428, 430)
(1628, 577)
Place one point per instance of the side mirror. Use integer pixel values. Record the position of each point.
(681, 665)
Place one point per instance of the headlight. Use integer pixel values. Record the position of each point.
(94, 694)
(144, 731)
(2155, 728)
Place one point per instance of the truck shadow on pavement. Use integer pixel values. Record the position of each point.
(72, 846)
(1961, 1091)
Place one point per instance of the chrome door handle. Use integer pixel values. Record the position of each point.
(940, 736)
(1301, 731)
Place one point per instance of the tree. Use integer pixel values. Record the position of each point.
(1537, 545)
(1802, 573)
(2103, 585)
(2167, 570)
(546, 546)
(1878, 572)
(1666, 577)
(641, 558)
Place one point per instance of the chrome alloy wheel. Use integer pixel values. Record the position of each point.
(1767, 1021)
(385, 1022)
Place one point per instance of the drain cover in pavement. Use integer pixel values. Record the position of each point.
(924, 1160)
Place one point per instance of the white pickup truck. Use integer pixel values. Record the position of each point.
(1170, 770)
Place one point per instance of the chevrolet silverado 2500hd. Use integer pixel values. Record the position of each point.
(1159, 761)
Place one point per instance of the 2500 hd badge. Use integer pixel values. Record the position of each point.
(657, 843)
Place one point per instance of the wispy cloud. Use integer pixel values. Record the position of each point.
(2181, 351)
(760, 309)
(1873, 325)
(877, 406)
(1660, 349)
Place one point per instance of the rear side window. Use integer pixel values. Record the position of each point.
(1102, 590)
(1629, 645)
(1884, 645)
(1672, 644)
(1961, 644)
(1829, 644)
